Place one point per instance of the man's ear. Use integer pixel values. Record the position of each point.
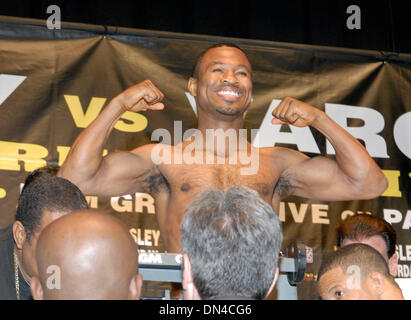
(136, 284)
(36, 288)
(393, 264)
(187, 276)
(377, 282)
(190, 291)
(277, 271)
(19, 234)
(192, 86)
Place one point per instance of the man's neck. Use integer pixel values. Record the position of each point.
(207, 122)
(392, 292)
(223, 137)
(19, 256)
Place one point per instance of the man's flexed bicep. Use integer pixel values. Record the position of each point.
(120, 173)
(85, 166)
(352, 174)
(320, 178)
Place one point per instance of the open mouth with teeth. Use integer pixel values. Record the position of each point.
(229, 95)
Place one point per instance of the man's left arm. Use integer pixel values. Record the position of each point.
(352, 175)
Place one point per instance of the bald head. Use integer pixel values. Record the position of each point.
(87, 255)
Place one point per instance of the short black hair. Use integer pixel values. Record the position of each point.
(196, 67)
(365, 257)
(47, 192)
(360, 226)
(50, 169)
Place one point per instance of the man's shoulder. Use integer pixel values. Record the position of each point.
(7, 290)
(6, 243)
(144, 148)
(278, 152)
(6, 233)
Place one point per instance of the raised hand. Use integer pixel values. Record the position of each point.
(295, 112)
(143, 95)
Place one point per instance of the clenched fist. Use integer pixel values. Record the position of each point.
(295, 112)
(143, 95)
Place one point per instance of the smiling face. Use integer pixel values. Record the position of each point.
(223, 85)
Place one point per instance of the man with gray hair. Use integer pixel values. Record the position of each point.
(230, 243)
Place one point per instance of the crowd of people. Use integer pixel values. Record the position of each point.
(224, 222)
(58, 248)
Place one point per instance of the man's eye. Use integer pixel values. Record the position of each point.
(217, 70)
(242, 73)
(339, 294)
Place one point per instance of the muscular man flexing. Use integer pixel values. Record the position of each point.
(222, 87)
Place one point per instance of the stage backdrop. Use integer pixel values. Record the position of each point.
(53, 83)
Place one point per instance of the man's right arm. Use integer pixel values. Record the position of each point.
(119, 172)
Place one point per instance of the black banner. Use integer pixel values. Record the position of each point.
(53, 83)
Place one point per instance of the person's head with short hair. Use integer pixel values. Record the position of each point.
(356, 272)
(86, 254)
(221, 83)
(371, 230)
(44, 198)
(50, 169)
(230, 243)
(199, 60)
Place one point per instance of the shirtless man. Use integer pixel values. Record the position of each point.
(222, 87)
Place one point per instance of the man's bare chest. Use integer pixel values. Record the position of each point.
(193, 178)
